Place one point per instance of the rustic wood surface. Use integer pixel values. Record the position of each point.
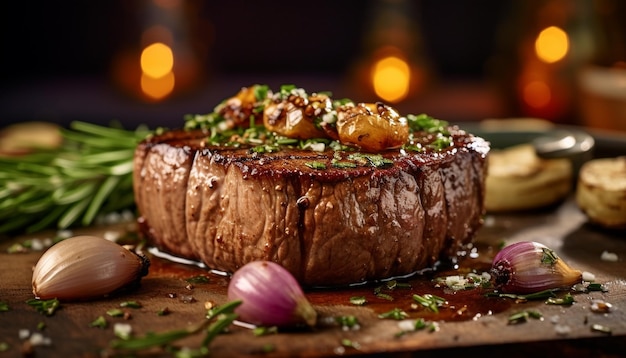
(562, 228)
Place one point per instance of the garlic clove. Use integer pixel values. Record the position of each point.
(528, 267)
(84, 267)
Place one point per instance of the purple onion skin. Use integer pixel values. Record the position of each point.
(270, 296)
(518, 268)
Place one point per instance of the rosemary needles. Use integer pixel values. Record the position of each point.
(89, 174)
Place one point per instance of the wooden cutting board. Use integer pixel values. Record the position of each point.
(470, 323)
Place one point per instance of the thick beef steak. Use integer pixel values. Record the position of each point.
(372, 217)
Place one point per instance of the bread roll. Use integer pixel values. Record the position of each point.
(601, 191)
(518, 179)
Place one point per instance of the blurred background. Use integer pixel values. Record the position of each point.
(153, 61)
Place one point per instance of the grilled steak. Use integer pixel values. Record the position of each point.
(330, 217)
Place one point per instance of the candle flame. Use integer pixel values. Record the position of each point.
(552, 44)
(391, 78)
(157, 63)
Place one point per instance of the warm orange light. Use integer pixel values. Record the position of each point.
(552, 44)
(157, 88)
(157, 63)
(536, 94)
(391, 78)
(157, 60)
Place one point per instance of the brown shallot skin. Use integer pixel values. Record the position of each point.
(86, 267)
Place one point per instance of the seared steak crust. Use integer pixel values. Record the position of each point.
(227, 206)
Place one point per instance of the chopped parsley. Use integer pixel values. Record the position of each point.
(524, 316)
(47, 307)
(347, 321)
(358, 300)
(315, 165)
(432, 302)
(548, 257)
(131, 304)
(99, 322)
(254, 135)
(395, 313)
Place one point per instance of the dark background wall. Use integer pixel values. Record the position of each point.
(56, 57)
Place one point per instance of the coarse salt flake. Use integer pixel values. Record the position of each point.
(562, 329)
(608, 256)
(588, 276)
(23, 333)
(122, 330)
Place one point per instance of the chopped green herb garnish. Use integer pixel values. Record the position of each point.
(268, 348)
(430, 301)
(395, 313)
(424, 122)
(4, 306)
(198, 279)
(441, 142)
(374, 160)
(523, 316)
(343, 164)
(4, 346)
(316, 165)
(349, 343)
(541, 295)
(568, 299)
(420, 323)
(116, 312)
(163, 311)
(261, 92)
(47, 307)
(548, 257)
(263, 331)
(131, 304)
(347, 321)
(285, 90)
(358, 300)
(99, 322)
(218, 318)
(596, 287)
(384, 296)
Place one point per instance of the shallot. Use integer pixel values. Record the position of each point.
(529, 267)
(270, 296)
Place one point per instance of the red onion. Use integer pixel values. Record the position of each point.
(270, 296)
(528, 267)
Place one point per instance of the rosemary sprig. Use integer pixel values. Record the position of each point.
(217, 320)
(89, 174)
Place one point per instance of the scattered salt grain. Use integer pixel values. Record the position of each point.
(609, 256)
(112, 235)
(23, 333)
(64, 234)
(38, 339)
(36, 244)
(588, 276)
(406, 325)
(122, 330)
(562, 329)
